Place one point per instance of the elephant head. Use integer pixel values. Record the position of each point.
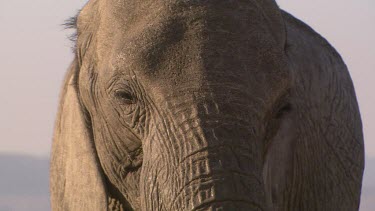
(181, 105)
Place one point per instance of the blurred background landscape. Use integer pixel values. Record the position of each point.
(35, 52)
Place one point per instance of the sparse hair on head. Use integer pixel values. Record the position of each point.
(71, 23)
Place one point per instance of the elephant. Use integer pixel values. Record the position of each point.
(204, 105)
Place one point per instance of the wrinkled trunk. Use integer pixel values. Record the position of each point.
(204, 158)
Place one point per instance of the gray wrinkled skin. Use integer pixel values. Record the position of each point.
(204, 105)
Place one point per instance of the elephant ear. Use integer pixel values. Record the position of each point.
(76, 178)
(316, 159)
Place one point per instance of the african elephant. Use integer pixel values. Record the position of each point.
(204, 105)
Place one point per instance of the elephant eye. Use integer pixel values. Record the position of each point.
(125, 97)
(284, 110)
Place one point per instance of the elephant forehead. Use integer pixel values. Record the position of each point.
(185, 44)
(160, 49)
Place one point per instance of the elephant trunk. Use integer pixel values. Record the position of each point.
(208, 158)
(216, 178)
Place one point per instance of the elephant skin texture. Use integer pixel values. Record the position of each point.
(204, 105)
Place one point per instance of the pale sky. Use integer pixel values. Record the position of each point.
(35, 52)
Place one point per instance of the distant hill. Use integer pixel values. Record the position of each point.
(24, 184)
(368, 187)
